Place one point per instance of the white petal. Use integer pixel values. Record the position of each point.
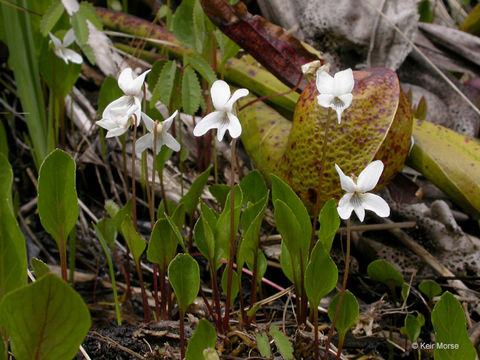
(369, 177)
(234, 126)
(69, 38)
(107, 124)
(135, 88)
(220, 93)
(346, 99)
(376, 204)
(222, 129)
(360, 211)
(147, 120)
(236, 95)
(211, 121)
(343, 82)
(345, 181)
(325, 100)
(345, 207)
(143, 143)
(116, 132)
(169, 140)
(324, 82)
(72, 56)
(125, 79)
(61, 54)
(56, 41)
(168, 122)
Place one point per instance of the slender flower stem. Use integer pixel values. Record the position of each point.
(320, 179)
(134, 198)
(232, 237)
(342, 293)
(182, 334)
(315, 328)
(152, 220)
(146, 309)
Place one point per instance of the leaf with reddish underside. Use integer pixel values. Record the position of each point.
(281, 53)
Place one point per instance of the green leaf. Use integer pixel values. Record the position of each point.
(329, 224)
(382, 271)
(425, 11)
(228, 47)
(222, 232)
(202, 67)
(39, 267)
(57, 196)
(184, 275)
(321, 264)
(51, 17)
(263, 345)
(191, 91)
(283, 344)
(182, 23)
(204, 239)
(163, 243)
(198, 26)
(164, 86)
(89, 53)
(191, 198)
(108, 231)
(134, 241)
(3, 141)
(154, 74)
(253, 187)
(430, 288)
(472, 23)
(89, 12)
(80, 28)
(281, 190)
(347, 315)
(108, 93)
(220, 192)
(450, 328)
(45, 320)
(13, 253)
(203, 337)
(412, 327)
(234, 289)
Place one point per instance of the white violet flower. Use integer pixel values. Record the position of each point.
(118, 115)
(335, 92)
(357, 197)
(60, 48)
(223, 118)
(162, 136)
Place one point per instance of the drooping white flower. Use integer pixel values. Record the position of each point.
(60, 48)
(335, 92)
(223, 118)
(162, 137)
(358, 198)
(118, 116)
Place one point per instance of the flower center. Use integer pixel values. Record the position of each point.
(337, 103)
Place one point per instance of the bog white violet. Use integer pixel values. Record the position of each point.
(223, 118)
(118, 115)
(157, 131)
(335, 92)
(358, 198)
(60, 48)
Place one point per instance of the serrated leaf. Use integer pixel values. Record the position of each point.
(13, 253)
(89, 12)
(448, 319)
(382, 271)
(51, 17)
(134, 241)
(57, 196)
(283, 344)
(198, 26)
(191, 91)
(263, 345)
(89, 53)
(329, 224)
(203, 337)
(164, 86)
(347, 315)
(39, 267)
(45, 320)
(202, 67)
(320, 263)
(182, 23)
(192, 197)
(80, 28)
(184, 275)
